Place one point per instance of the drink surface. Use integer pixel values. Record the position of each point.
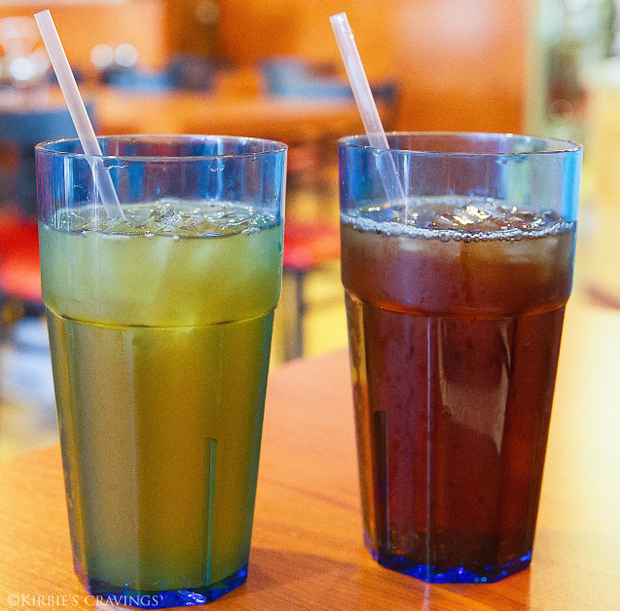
(169, 264)
(160, 332)
(454, 324)
(458, 255)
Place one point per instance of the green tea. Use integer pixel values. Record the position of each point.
(160, 331)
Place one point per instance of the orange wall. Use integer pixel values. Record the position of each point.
(82, 26)
(464, 63)
(461, 64)
(252, 29)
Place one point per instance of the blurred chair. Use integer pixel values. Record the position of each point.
(192, 72)
(20, 277)
(307, 247)
(21, 128)
(295, 77)
(184, 71)
(138, 80)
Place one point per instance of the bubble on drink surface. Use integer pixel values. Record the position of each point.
(466, 219)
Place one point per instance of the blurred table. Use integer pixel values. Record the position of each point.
(222, 112)
(307, 546)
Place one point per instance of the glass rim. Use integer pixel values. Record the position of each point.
(276, 147)
(560, 146)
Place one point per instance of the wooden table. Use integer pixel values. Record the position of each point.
(307, 545)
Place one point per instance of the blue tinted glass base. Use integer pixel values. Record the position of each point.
(437, 574)
(153, 599)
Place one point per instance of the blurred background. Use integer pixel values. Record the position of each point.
(270, 68)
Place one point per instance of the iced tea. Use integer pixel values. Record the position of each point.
(160, 371)
(455, 320)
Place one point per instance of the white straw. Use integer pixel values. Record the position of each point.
(366, 102)
(82, 123)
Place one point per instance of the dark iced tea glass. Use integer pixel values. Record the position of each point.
(455, 289)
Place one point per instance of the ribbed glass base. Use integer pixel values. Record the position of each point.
(120, 595)
(439, 574)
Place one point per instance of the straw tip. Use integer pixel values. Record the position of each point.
(40, 14)
(338, 18)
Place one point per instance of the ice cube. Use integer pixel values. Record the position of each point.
(172, 218)
(382, 213)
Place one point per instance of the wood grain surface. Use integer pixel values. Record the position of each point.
(307, 545)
